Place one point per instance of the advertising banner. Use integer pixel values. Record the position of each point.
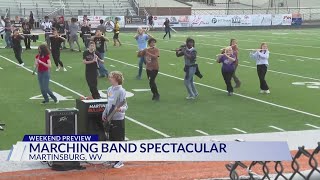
(261, 19)
(175, 21)
(241, 20)
(210, 21)
(281, 19)
(95, 20)
(135, 21)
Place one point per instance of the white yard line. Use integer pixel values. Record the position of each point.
(289, 55)
(202, 132)
(172, 64)
(148, 127)
(282, 60)
(222, 46)
(246, 61)
(299, 59)
(218, 89)
(69, 67)
(1, 68)
(239, 130)
(312, 126)
(252, 67)
(278, 72)
(209, 63)
(277, 128)
(64, 87)
(253, 41)
(112, 65)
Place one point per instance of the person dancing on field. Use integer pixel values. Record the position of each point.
(227, 58)
(43, 65)
(16, 45)
(235, 49)
(141, 37)
(190, 68)
(55, 41)
(262, 60)
(152, 55)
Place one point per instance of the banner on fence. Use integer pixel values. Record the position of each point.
(261, 19)
(135, 21)
(175, 21)
(241, 20)
(95, 20)
(210, 21)
(200, 20)
(281, 19)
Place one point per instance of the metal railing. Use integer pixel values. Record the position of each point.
(278, 167)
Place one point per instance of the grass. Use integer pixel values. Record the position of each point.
(294, 58)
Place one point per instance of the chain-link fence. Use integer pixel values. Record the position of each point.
(265, 168)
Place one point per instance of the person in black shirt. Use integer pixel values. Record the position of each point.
(61, 27)
(55, 41)
(31, 20)
(26, 30)
(90, 59)
(86, 34)
(166, 25)
(16, 44)
(150, 19)
(101, 47)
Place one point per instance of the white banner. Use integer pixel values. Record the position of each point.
(209, 21)
(175, 21)
(241, 20)
(282, 19)
(95, 20)
(261, 19)
(205, 20)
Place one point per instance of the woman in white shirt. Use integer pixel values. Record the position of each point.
(262, 60)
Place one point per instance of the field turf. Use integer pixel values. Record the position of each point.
(293, 77)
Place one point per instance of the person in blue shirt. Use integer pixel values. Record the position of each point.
(142, 38)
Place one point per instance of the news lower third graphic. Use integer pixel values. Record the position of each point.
(88, 148)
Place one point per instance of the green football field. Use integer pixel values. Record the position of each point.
(293, 77)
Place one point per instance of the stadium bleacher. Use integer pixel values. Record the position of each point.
(69, 8)
(162, 3)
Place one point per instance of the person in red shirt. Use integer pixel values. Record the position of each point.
(43, 64)
(234, 46)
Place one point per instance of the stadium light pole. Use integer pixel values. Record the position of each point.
(252, 6)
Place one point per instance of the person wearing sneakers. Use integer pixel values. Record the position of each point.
(262, 60)
(56, 41)
(142, 38)
(90, 59)
(16, 45)
(152, 55)
(227, 58)
(43, 65)
(190, 68)
(116, 102)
